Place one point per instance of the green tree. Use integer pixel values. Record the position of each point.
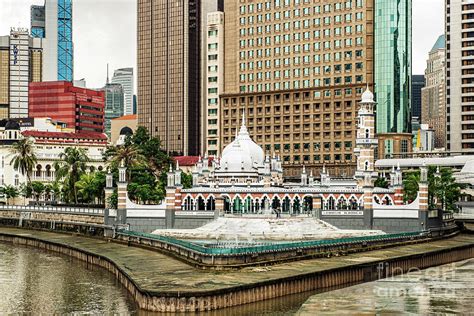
(129, 154)
(381, 182)
(186, 180)
(37, 188)
(443, 191)
(91, 187)
(10, 192)
(24, 157)
(410, 186)
(72, 165)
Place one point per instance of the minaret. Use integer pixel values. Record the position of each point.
(366, 141)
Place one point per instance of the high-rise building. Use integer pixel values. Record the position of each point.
(297, 69)
(169, 71)
(214, 82)
(417, 83)
(20, 63)
(393, 64)
(433, 94)
(114, 103)
(53, 22)
(124, 76)
(459, 76)
(79, 108)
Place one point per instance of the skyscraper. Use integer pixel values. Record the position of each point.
(169, 72)
(20, 63)
(393, 62)
(53, 22)
(124, 76)
(114, 103)
(433, 98)
(297, 69)
(417, 83)
(459, 76)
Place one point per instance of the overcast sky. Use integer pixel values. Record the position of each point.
(105, 32)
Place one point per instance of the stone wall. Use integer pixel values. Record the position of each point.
(395, 225)
(54, 216)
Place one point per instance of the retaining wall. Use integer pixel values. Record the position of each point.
(244, 294)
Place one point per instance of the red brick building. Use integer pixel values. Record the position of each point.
(80, 108)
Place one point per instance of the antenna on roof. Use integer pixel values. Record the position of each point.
(107, 73)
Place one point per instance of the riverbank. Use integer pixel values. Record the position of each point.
(161, 283)
(447, 289)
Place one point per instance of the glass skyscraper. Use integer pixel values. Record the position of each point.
(53, 21)
(393, 58)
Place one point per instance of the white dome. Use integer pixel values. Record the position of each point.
(255, 152)
(367, 96)
(236, 158)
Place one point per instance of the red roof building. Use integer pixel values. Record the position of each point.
(80, 108)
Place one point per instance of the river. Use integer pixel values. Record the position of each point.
(34, 281)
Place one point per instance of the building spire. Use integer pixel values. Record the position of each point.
(107, 73)
(243, 117)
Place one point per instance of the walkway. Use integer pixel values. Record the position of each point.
(158, 273)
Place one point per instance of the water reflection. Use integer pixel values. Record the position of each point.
(34, 281)
(439, 290)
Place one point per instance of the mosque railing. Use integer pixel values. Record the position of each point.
(273, 247)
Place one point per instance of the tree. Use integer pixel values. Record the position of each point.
(443, 191)
(129, 154)
(410, 186)
(186, 180)
(10, 192)
(91, 187)
(37, 188)
(24, 157)
(381, 182)
(73, 164)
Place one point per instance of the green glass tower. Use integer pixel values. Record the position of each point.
(393, 58)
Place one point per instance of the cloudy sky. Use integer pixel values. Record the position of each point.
(105, 32)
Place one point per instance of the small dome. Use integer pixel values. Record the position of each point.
(126, 131)
(367, 96)
(236, 159)
(12, 126)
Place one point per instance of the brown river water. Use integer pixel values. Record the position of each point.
(33, 281)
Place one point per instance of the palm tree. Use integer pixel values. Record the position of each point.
(72, 165)
(129, 155)
(86, 187)
(10, 192)
(24, 157)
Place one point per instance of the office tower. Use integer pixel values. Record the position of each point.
(214, 81)
(459, 76)
(114, 103)
(417, 83)
(393, 57)
(80, 109)
(53, 22)
(433, 94)
(169, 72)
(297, 69)
(20, 63)
(124, 76)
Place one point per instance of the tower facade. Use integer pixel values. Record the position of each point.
(298, 69)
(433, 95)
(393, 67)
(366, 142)
(124, 76)
(459, 76)
(53, 22)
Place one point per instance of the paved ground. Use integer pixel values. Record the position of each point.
(155, 272)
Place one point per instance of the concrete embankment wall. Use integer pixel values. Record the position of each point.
(54, 216)
(244, 294)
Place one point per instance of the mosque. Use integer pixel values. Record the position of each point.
(246, 180)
